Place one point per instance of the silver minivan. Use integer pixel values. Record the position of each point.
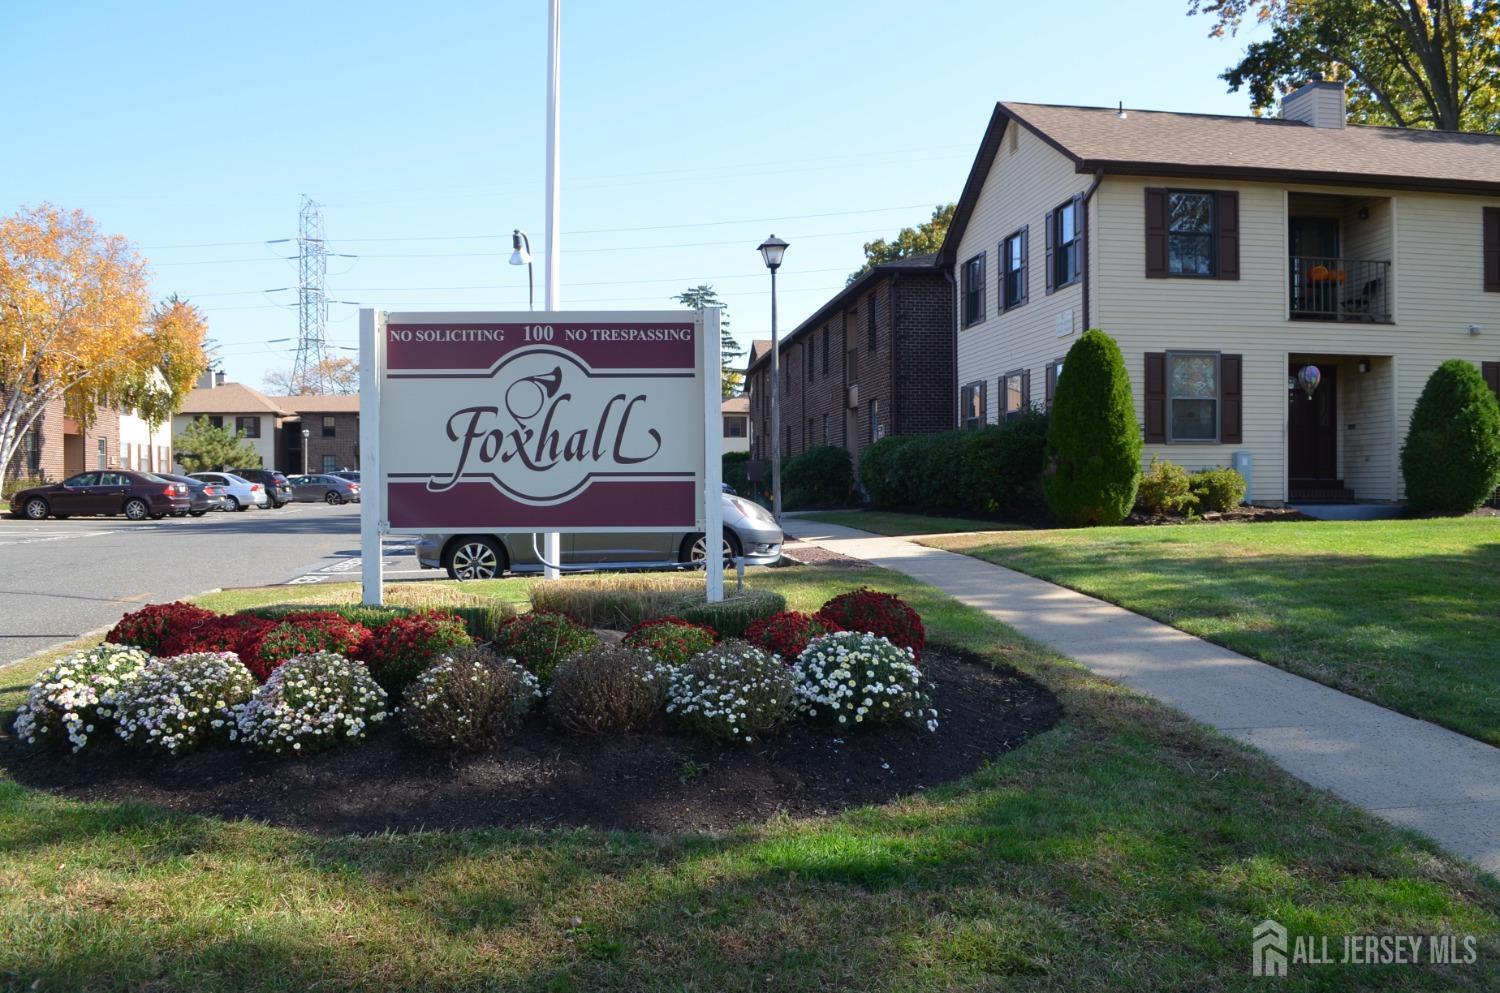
(750, 532)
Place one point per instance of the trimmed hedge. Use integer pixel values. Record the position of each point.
(1451, 459)
(1093, 454)
(822, 476)
(733, 615)
(733, 469)
(988, 470)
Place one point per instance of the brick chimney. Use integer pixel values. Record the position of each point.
(219, 376)
(206, 380)
(1319, 102)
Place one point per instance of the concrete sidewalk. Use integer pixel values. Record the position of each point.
(1407, 771)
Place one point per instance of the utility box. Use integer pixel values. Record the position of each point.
(1244, 464)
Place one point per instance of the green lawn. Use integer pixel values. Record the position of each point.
(1127, 849)
(1404, 613)
(885, 522)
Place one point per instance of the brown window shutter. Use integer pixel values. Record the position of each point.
(1156, 396)
(1492, 249)
(1156, 233)
(1491, 372)
(1051, 247)
(1025, 261)
(1231, 404)
(1026, 389)
(1227, 223)
(1051, 383)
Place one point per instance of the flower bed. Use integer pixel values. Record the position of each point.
(72, 699)
(311, 702)
(883, 614)
(178, 704)
(671, 640)
(788, 632)
(402, 647)
(849, 678)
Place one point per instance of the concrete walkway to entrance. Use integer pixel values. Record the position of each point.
(1407, 771)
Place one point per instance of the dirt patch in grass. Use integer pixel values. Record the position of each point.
(545, 778)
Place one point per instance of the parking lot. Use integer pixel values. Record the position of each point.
(60, 579)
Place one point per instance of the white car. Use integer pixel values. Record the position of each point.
(239, 492)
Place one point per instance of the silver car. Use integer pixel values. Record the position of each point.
(323, 487)
(750, 533)
(239, 492)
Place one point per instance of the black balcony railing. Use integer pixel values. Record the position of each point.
(1341, 289)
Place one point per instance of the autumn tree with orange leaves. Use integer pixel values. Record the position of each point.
(77, 325)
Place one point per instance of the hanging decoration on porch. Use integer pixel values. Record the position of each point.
(1308, 377)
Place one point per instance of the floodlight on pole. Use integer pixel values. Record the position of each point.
(521, 255)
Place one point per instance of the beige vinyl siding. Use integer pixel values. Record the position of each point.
(1023, 186)
(1437, 291)
(1367, 430)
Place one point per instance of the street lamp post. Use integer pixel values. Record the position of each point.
(306, 434)
(772, 250)
(521, 255)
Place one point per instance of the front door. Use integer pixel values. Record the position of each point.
(1312, 428)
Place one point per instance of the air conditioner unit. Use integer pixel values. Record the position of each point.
(853, 396)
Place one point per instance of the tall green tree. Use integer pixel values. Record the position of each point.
(1451, 459)
(1406, 63)
(201, 447)
(924, 239)
(704, 295)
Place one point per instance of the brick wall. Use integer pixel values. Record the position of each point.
(906, 381)
(49, 427)
(343, 446)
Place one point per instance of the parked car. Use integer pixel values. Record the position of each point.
(204, 496)
(240, 493)
(750, 533)
(277, 488)
(137, 495)
(350, 474)
(326, 487)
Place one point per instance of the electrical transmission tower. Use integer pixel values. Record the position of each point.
(310, 368)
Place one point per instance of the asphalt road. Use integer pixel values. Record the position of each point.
(61, 579)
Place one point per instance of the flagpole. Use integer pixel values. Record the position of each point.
(552, 543)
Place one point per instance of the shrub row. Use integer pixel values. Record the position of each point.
(622, 602)
(1168, 488)
(821, 476)
(987, 470)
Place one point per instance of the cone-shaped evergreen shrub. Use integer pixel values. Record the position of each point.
(1093, 458)
(1451, 459)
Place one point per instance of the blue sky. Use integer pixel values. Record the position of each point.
(690, 132)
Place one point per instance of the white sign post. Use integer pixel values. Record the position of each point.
(538, 422)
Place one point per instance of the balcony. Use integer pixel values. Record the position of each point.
(1334, 289)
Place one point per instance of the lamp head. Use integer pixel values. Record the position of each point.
(772, 250)
(521, 252)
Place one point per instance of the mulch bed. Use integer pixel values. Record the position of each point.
(796, 552)
(1239, 515)
(547, 778)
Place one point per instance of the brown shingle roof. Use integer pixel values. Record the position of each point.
(1148, 140)
(1164, 143)
(230, 398)
(735, 405)
(320, 404)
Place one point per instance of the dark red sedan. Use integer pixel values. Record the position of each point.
(137, 495)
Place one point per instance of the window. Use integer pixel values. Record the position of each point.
(807, 355)
(826, 336)
(825, 429)
(329, 463)
(1054, 370)
(1192, 396)
(33, 445)
(971, 406)
(872, 341)
(103, 454)
(734, 427)
(1015, 393)
(1064, 230)
(786, 375)
(973, 289)
(1190, 233)
(83, 479)
(328, 426)
(248, 426)
(851, 367)
(873, 408)
(1013, 267)
(216, 420)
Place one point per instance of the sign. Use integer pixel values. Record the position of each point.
(540, 421)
